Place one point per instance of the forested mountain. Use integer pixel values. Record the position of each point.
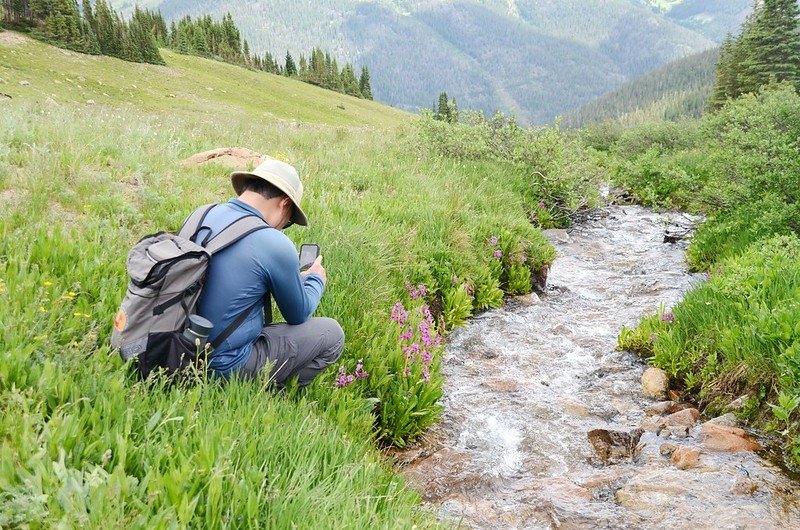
(537, 59)
(675, 90)
(712, 18)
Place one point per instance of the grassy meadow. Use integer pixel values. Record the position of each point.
(82, 442)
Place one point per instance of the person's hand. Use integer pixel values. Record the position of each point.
(316, 268)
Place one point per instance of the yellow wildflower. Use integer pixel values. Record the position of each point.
(47, 283)
(41, 309)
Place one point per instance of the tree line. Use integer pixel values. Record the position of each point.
(222, 40)
(100, 30)
(767, 50)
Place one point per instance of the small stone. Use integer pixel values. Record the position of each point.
(744, 486)
(652, 424)
(90, 102)
(667, 448)
(528, 300)
(686, 457)
(726, 420)
(683, 418)
(676, 431)
(675, 395)
(24, 83)
(663, 407)
(655, 383)
(613, 446)
(727, 439)
(170, 95)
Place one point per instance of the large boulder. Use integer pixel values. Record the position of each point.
(614, 446)
(235, 158)
(655, 383)
(682, 418)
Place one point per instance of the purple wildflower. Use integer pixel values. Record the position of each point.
(653, 337)
(455, 279)
(344, 378)
(668, 317)
(360, 373)
(524, 258)
(426, 374)
(425, 333)
(407, 335)
(498, 253)
(411, 351)
(426, 357)
(493, 240)
(399, 314)
(541, 205)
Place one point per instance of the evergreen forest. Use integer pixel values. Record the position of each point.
(100, 30)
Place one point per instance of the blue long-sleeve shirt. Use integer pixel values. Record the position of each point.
(241, 275)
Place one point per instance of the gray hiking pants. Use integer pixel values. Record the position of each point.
(303, 350)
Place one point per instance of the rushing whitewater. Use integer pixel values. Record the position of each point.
(527, 383)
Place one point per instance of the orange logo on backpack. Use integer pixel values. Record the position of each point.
(120, 321)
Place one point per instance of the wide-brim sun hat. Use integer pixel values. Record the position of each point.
(281, 175)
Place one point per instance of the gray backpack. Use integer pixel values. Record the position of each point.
(167, 272)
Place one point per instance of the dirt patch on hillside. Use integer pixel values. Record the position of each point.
(238, 158)
(7, 38)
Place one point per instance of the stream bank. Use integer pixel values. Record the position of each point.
(527, 384)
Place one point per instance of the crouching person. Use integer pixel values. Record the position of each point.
(264, 264)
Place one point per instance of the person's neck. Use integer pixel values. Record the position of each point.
(268, 208)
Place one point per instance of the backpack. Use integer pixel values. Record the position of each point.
(167, 272)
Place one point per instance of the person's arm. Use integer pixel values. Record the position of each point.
(297, 296)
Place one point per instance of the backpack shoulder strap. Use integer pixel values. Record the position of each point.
(195, 221)
(235, 231)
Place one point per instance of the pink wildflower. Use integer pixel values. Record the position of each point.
(360, 373)
(493, 240)
(426, 374)
(344, 378)
(407, 335)
(498, 253)
(399, 314)
(668, 317)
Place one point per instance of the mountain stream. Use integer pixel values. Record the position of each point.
(527, 383)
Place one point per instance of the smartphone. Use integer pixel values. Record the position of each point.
(308, 253)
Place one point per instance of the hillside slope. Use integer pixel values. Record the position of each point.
(678, 89)
(536, 59)
(225, 88)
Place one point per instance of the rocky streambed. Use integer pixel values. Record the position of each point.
(548, 426)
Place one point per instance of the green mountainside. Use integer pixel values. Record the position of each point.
(173, 88)
(712, 18)
(535, 59)
(675, 90)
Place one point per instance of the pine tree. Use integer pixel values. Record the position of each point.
(363, 84)
(290, 69)
(773, 45)
(246, 52)
(443, 108)
(349, 81)
(107, 31)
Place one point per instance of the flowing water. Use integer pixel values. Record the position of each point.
(525, 385)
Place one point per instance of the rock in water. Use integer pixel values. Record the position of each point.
(717, 437)
(686, 457)
(655, 383)
(613, 446)
(683, 418)
(744, 486)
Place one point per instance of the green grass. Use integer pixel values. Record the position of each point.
(81, 442)
(187, 85)
(737, 334)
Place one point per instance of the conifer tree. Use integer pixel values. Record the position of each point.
(363, 84)
(107, 31)
(773, 45)
(290, 69)
(246, 52)
(442, 108)
(349, 81)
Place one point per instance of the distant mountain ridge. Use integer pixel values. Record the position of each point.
(535, 58)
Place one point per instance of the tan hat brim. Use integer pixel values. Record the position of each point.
(238, 178)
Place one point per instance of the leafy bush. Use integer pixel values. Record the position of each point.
(553, 172)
